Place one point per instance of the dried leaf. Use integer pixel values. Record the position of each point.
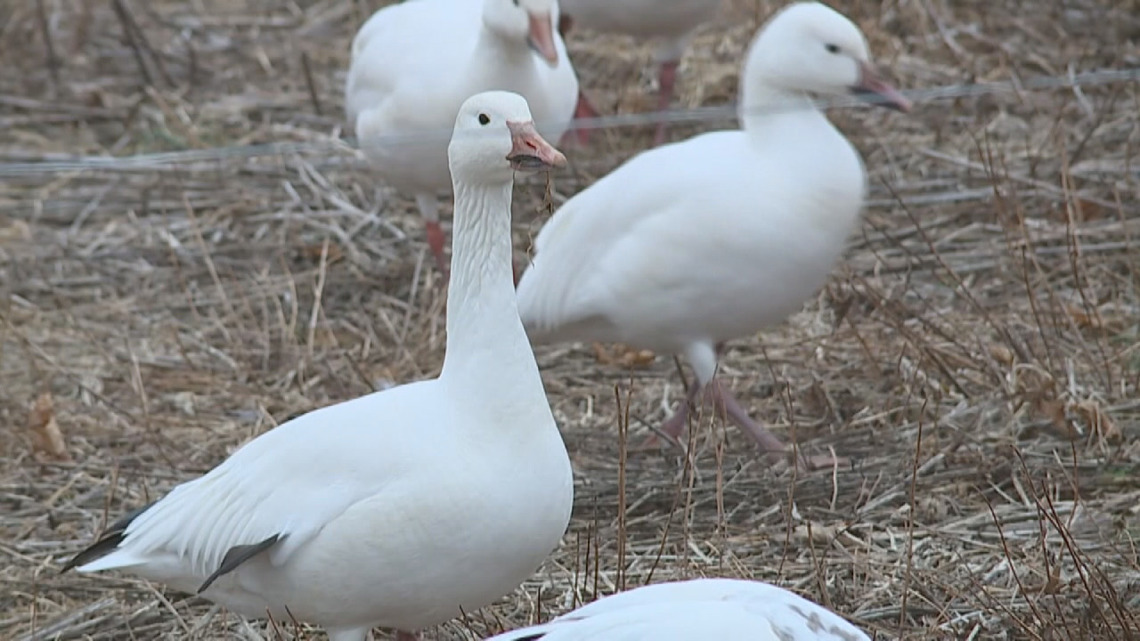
(1087, 210)
(312, 251)
(47, 440)
(1002, 354)
(623, 356)
(1099, 422)
(1083, 319)
(15, 231)
(1054, 410)
(815, 532)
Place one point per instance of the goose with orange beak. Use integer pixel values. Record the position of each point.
(696, 243)
(413, 65)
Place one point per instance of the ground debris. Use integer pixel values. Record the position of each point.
(47, 440)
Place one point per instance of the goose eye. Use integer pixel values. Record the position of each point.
(484, 119)
(832, 48)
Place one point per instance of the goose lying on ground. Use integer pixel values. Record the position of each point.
(691, 244)
(414, 63)
(405, 507)
(673, 22)
(697, 610)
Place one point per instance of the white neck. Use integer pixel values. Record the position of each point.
(487, 349)
(496, 56)
(766, 108)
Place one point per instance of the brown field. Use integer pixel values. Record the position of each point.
(974, 357)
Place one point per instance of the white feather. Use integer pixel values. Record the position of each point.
(722, 609)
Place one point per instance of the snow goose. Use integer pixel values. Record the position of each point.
(672, 22)
(691, 244)
(697, 610)
(414, 63)
(399, 508)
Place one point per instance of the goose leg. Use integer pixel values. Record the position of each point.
(727, 407)
(429, 209)
(676, 424)
(666, 80)
(581, 110)
(406, 636)
(581, 135)
(435, 243)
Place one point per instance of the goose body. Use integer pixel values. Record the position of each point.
(722, 609)
(404, 507)
(691, 244)
(670, 23)
(414, 63)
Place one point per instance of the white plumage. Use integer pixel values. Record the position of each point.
(414, 63)
(691, 244)
(399, 508)
(697, 610)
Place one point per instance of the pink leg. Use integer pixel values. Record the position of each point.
(435, 243)
(583, 109)
(726, 403)
(727, 407)
(667, 79)
(580, 134)
(676, 424)
(406, 636)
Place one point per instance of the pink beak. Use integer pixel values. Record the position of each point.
(541, 38)
(529, 151)
(872, 84)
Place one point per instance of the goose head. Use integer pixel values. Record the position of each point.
(494, 137)
(809, 47)
(530, 21)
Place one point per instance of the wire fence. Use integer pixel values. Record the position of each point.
(1073, 81)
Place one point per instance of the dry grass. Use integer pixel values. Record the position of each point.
(975, 356)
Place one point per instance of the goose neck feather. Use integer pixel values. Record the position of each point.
(767, 108)
(484, 333)
(494, 53)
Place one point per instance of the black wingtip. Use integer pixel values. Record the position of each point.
(107, 542)
(237, 555)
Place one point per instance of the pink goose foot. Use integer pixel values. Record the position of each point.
(716, 395)
(729, 408)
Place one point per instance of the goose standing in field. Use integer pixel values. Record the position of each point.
(672, 22)
(697, 610)
(691, 244)
(400, 508)
(414, 63)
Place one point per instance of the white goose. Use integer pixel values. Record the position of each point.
(697, 610)
(691, 244)
(399, 508)
(672, 22)
(414, 63)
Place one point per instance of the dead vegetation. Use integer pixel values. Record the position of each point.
(975, 356)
